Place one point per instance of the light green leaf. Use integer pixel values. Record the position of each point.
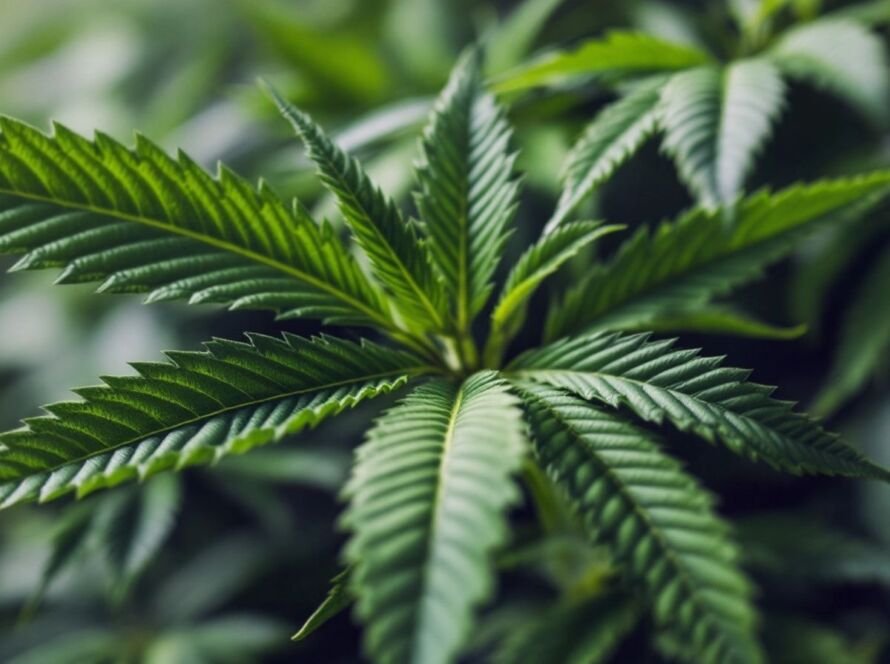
(718, 320)
(682, 265)
(144, 222)
(715, 121)
(511, 40)
(337, 600)
(427, 502)
(865, 339)
(538, 262)
(398, 258)
(697, 396)
(618, 52)
(841, 56)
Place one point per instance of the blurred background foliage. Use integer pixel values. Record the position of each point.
(224, 565)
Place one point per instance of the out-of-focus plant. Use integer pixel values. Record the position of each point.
(95, 596)
(430, 489)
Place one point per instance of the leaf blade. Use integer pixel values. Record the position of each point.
(460, 444)
(189, 411)
(655, 519)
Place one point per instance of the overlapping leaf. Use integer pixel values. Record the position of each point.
(467, 195)
(683, 264)
(398, 258)
(696, 395)
(842, 56)
(613, 136)
(195, 409)
(654, 518)
(426, 509)
(141, 221)
(618, 52)
(539, 262)
(865, 339)
(715, 120)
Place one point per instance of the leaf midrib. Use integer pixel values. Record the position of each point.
(407, 373)
(218, 243)
(438, 498)
(656, 531)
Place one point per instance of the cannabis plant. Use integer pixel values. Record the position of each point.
(578, 421)
(715, 107)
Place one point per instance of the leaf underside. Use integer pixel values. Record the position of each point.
(696, 395)
(197, 408)
(655, 519)
(427, 497)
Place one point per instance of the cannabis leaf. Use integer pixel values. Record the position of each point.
(696, 395)
(715, 116)
(684, 264)
(865, 338)
(197, 408)
(400, 261)
(467, 195)
(654, 518)
(143, 222)
(575, 421)
(618, 52)
(426, 508)
(715, 120)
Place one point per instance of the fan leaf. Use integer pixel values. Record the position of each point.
(615, 134)
(841, 56)
(539, 262)
(865, 339)
(141, 221)
(197, 408)
(697, 396)
(715, 120)
(618, 52)
(682, 265)
(656, 520)
(467, 195)
(398, 259)
(427, 499)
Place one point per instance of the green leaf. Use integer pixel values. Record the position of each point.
(398, 258)
(568, 632)
(467, 197)
(143, 222)
(719, 320)
(654, 518)
(511, 40)
(865, 339)
(697, 396)
(538, 262)
(615, 134)
(798, 547)
(715, 121)
(135, 527)
(427, 502)
(841, 56)
(618, 52)
(197, 408)
(337, 600)
(227, 639)
(684, 264)
(210, 579)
